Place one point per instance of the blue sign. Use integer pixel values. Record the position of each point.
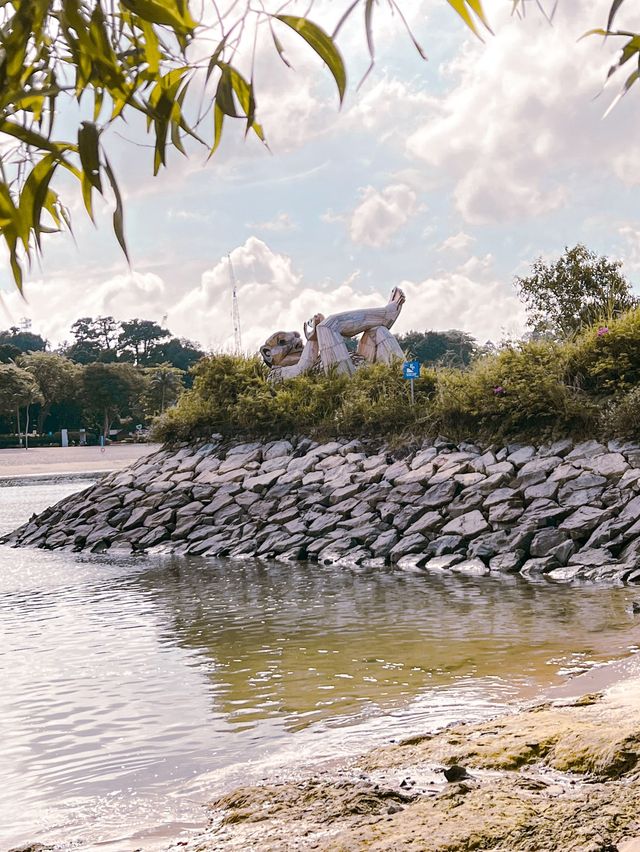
(411, 370)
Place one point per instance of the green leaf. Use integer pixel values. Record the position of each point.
(118, 215)
(218, 121)
(615, 6)
(323, 45)
(34, 139)
(168, 13)
(475, 6)
(35, 194)
(89, 150)
(151, 47)
(280, 49)
(224, 92)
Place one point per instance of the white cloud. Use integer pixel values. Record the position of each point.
(518, 122)
(379, 215)
(281, 222)
(272, 294)
(53, 304)
(457, 242)
(469, 297)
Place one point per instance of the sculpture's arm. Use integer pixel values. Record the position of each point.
(308, 358)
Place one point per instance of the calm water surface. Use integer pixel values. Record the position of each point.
(132, 689)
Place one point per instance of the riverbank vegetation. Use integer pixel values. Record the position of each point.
(533, 390)
(542, 387)
(575, 374)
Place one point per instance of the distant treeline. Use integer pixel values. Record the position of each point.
(112, 374)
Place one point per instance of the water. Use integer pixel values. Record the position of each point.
(133, 689)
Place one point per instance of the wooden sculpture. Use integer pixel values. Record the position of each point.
(325, 348)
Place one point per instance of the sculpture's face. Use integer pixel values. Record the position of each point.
(282, 349)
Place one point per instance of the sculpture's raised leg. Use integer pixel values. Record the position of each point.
(379, 346)
(332, 331)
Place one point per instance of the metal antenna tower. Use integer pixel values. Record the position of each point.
(235, 312)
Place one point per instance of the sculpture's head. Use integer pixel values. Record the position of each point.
(282, 349)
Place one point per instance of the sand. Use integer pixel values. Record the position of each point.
(562, 775)
(51, 462)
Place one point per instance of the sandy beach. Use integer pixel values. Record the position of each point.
(46, 462)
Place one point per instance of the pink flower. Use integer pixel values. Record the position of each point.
(603, 330)
(499, 390)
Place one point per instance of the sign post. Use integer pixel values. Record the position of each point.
(411, 371)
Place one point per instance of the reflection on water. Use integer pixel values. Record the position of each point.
(128, 681)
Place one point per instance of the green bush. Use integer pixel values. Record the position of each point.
(605, 360)
(232, 396)
(518, 392)
(527, 391)
(621, 418)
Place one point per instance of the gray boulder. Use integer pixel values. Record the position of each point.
(584, 520)
(439, 495)
(407, 544)
(467, 526)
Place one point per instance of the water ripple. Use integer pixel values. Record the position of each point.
(127, 679)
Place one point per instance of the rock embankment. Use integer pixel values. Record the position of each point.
(563, 510)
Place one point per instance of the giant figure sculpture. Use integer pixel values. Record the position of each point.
(325, 348)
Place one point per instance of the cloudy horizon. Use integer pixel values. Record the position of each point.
(447, 178)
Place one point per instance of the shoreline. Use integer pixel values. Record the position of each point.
(562, 772)
(42, 464)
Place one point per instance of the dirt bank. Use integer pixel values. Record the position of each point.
(564, 775)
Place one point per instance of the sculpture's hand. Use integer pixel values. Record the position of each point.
(310, 326)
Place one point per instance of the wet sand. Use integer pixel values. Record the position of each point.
(564, 774)
(43, 463)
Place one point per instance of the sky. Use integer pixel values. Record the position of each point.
(446, 177)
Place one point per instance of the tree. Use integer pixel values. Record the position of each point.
(179, 352)
(139, 338)
(166, 383)
(8, 353)
(134, 58)
(577, 290)
(95, 340)
(18, 390)
(451, 348)
(110, 391)
(55, 376)
(25, 341)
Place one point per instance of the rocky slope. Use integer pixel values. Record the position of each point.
(563, 510)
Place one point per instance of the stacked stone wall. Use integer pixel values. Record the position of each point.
(563, 510)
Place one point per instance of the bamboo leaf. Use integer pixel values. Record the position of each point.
(118, 215)
(323, 45)
(475, 6)
(89, 150)
(34, 139)
(167, 13)
(613, 11)
(218, 121)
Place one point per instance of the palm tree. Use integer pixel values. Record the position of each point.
(167, 382)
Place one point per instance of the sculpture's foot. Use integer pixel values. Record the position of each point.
(392, 310)
(397, 295)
